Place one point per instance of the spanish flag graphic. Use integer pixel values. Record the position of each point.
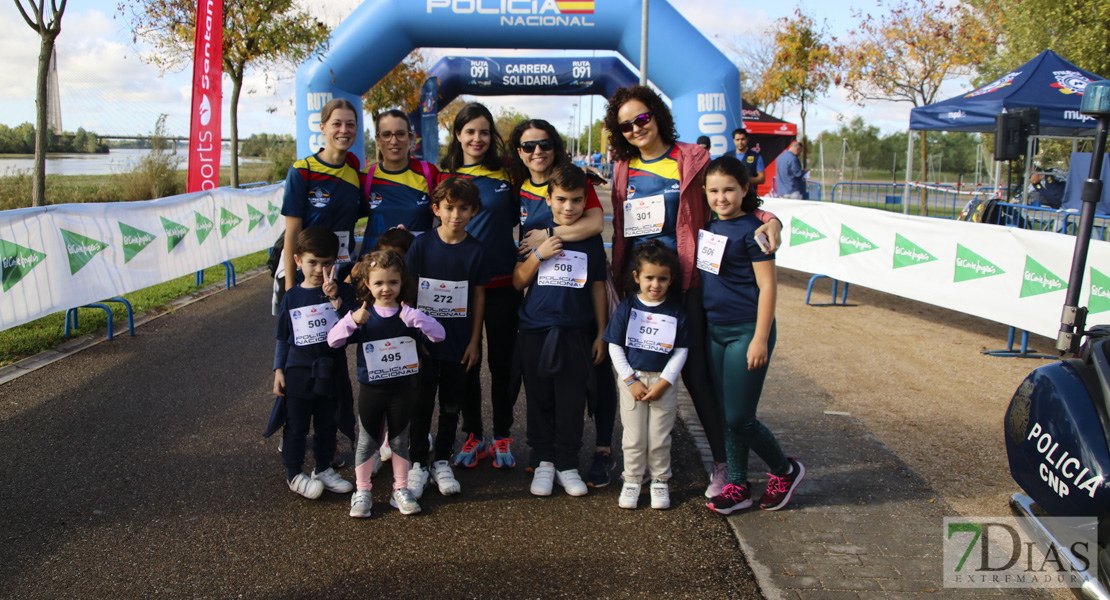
(576, 7)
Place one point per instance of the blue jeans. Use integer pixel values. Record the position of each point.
(738, 391)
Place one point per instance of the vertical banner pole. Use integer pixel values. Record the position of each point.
(204, 123)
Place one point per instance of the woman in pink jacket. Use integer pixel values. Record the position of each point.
(658, 194)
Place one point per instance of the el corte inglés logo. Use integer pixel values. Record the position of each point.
(175, 232)
(908, 254)
(16, 262)
(134, 240)
(801, 233)
(1038, 280)
(272, 213)
(80, 249)
(255, 217)
(852, 242)
(1100, 292)
(970, 265)
(228, 221)
(204, 227)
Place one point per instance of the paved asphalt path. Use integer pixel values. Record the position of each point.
(136, 469)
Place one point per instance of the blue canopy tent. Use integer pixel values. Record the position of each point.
(1048, 83)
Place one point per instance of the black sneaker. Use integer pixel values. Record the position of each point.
(599, 472)
(733, 497)
(779, 489)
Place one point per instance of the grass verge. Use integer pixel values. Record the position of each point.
(31, 338)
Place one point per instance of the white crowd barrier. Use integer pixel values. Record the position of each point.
(1013, 276)
(58, 257)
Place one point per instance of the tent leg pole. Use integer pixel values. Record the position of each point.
(909, 173)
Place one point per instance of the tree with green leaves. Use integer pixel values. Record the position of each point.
(801, 69)
(1078, 30)
(909, 53)
(256, 34)
(47, 22)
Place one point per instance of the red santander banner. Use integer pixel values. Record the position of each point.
(204, 126)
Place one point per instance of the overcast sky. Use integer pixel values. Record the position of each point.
(107, 88)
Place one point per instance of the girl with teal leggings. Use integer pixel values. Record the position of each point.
(739, 286)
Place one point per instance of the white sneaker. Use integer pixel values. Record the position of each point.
(403, 501)
(571, 482)
(418, 478)
(307, 487)
(377, 464)
(333, 482)
(361, 503)
(630, 495)
(543, 479)
(445, 478)
(660, 495)
(385, 451)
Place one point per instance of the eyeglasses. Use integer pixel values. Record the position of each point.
(640, 121)
(386, 135)
(529, 147)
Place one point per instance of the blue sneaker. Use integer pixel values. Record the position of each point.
(503, 454)
(599, 472)
(473, 450)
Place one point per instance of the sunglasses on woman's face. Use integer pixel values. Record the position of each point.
(640, 121)
(530, 147)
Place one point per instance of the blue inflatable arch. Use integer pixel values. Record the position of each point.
(702, 84)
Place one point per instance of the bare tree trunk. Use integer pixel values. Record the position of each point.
(236, 87)
(38, 180)
(805, 151)
(923, 204)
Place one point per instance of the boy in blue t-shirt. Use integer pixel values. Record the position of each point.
(310, 378)
(451, 273)
(565, 305)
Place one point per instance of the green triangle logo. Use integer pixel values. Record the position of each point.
(228, 221)
(1038, 280)
(134, 240)
(272, 213)
(970, 265)
(255, 217)
(175, 232)
(908, 254)
(853, 243)
(16, 262)
(204, 227)
(80, 249)
(801, 233)
(1100, 293)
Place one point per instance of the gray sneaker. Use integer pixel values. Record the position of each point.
(403, 501)
(361, 504)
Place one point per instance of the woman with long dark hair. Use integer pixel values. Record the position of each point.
(475, 152)
(658, 195)
(535, 149)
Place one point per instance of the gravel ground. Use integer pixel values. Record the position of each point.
(136, 469)
(915, 376)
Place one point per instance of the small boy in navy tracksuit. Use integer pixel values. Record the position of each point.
(561, 322)
(311, 376)
(451, 274)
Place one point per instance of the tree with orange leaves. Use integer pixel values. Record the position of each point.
(907, 54)
(801, 69)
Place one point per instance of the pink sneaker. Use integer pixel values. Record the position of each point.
(718, 480)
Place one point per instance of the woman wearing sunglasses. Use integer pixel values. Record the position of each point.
(538, 150)
(398, 187)
(475, 152)
(663, 180)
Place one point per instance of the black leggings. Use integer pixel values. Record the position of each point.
(501, 321)
(697, 378)
(375, 404)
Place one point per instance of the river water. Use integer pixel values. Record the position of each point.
(116, 161)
